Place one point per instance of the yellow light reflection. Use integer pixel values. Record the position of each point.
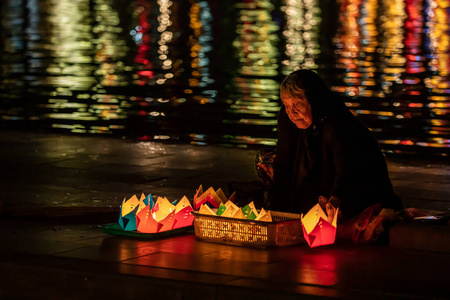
(301, 33)
(69, 36)
(256, 41)
(110, 47)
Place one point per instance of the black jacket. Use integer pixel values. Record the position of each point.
(336, 156)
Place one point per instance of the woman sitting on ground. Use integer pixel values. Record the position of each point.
(323, 150)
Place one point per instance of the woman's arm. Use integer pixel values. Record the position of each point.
(283, 164)
(339, 142)
(283, 160)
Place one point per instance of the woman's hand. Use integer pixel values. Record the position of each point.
(330, 207)
(335, 201)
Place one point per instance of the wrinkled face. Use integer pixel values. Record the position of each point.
(298, 109)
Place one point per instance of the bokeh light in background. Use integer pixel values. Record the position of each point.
(301, 34)
(388, 55)
(208, 72)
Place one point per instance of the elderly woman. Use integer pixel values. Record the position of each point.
(323, 150)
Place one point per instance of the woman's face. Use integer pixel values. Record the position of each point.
(298, 109)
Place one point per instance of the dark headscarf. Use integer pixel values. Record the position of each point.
(323, 103)
(336, 156)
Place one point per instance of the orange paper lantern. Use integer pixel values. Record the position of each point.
(146, 222)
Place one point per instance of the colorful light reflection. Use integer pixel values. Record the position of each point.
(161, 67)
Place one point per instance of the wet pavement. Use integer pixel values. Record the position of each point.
(57, 190)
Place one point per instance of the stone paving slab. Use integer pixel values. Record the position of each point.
(424, 237)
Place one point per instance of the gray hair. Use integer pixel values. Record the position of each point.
(292, 86)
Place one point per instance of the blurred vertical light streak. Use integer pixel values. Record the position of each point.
(141, 34)
(67, 32)
(392, 41)
(165, 38)
(153, 36)
(256, 101)
(13, 44)
(438, 16)
(414, 28)
(348, 46)
(439, 36)
(301, 34)
(368, 58)
(200, 43)
(256, 41)
(110, 47)
(69, 37)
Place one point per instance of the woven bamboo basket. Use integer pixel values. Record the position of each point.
(285, 230)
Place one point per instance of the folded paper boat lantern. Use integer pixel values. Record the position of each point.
(264, 216)
(250, 211)
(316, 229)
(230, 210)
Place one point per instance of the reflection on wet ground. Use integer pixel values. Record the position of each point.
(209, 72)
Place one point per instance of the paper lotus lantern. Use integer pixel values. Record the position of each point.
(165, 216)
(146, 221)
(210, 197)
(316, 229)
(183, 216)
(162, 209)
(147, 216)
(128, 210)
